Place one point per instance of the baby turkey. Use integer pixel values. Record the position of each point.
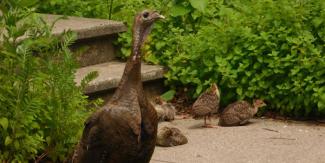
(206, 104)
(239, 113)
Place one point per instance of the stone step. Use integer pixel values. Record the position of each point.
(97, 35)
(110, 74)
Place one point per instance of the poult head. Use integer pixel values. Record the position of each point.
(215, 90)
(258, 103)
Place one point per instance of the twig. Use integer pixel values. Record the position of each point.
(282, 138)
(270, 130)
(163, 161)
(110, 10)
(39, 158)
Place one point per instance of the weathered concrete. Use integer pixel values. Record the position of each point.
(264, 140)
(110, 74)
(96, 35)
(85, 27)
(97, 50)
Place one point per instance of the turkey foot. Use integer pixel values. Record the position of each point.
(210, 126)
(183, 116)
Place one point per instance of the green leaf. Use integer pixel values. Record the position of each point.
(317, 21)
(169, 95)
(27, 3)
(8, 141)
(16, 145)
(88, 78)
(200, 5)
(321, 102)
(179, 10)
(199, 89)
(4, 123)
(239, 91)
(118, 8)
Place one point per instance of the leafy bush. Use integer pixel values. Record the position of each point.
(267, 49)
(85, 8)
(41, 109)
(253, 49)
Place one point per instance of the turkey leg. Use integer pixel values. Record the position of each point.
(208, 125)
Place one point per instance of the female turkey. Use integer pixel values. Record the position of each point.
(125, 129)
(239, 113)
(207, 103)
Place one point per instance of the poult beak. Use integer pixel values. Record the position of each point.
(162, 17)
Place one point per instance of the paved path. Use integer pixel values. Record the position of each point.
(262, 141)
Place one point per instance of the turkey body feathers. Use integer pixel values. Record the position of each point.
(236, 114)
(125, 129)
(205, 104)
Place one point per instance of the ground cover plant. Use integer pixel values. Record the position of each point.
(41, 109)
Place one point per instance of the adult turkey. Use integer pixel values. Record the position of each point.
(239, 113)
(124, 130)
(207, 103)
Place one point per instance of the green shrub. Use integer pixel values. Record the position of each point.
(85, 8)
(267, 49)
(41, 109)
(253, 49)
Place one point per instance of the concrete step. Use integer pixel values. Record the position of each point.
(110, 74)
(97, 35)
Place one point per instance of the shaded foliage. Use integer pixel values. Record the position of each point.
(267, 49)
(41, 109)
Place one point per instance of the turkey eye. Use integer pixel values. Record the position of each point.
(145, 14)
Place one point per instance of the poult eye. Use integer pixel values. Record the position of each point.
(145, 14)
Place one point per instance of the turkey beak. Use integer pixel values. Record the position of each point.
(162, 17)
(263, 104)
(217, 92)
(156, 15)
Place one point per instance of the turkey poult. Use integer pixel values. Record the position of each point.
(206, 104)
(170, 136)
(239, 113)
(124, 130)
(165, 110)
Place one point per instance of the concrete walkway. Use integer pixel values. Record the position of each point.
(262, 141)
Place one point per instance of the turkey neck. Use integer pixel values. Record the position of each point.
(131, 78)
(255, 108)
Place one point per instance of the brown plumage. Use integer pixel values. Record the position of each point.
(165, 110)
(170, 136)
(207, 103)
(239, 113)
(125, 129)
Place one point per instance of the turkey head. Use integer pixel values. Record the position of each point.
(143, 23)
